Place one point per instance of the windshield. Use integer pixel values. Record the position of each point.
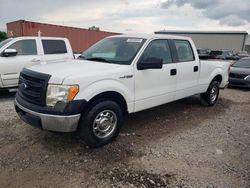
(242, 63)
(203, 51)
(117, 50)
(228, 53)
(4, 42)
(215, 53)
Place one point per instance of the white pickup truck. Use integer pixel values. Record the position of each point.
(20, 52)
(118, 75)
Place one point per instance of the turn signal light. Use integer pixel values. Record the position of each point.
(73, 90)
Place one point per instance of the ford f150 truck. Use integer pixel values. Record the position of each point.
(20, 52)
(118, 75)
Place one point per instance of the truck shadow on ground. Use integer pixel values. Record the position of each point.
(4, 94)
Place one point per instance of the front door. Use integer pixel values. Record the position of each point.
(155, 86)
(12, 66)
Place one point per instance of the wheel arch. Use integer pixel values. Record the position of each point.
(108, 95)
(217, 78)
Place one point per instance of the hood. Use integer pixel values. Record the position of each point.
(62, 70)
(239, 70)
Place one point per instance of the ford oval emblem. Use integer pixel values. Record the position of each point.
(24, 85)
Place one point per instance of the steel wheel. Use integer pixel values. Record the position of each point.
(104, 124)
(210, 97)
(213, 94)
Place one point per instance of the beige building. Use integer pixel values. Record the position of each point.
(216, 40)
(247, 44)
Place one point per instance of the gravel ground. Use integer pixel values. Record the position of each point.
(180, 144)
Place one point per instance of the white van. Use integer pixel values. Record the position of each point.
(20, 52)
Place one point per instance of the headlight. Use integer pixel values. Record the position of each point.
(64, 93)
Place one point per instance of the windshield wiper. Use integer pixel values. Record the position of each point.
(81, 57)
(98, 59)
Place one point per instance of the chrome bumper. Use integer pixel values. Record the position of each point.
(50, 122)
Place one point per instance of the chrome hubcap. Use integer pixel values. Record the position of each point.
(213, 94)
(104, 124)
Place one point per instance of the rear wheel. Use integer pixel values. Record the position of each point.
(101, 123)
(211, 96)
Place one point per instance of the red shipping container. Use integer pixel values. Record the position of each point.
(80, 38)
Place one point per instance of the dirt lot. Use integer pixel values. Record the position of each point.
(181, 144)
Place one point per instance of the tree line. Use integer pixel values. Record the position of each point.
(3, 35)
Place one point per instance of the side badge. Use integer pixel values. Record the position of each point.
(126, 76)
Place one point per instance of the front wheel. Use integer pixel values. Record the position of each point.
(101, 123)
(211, 96)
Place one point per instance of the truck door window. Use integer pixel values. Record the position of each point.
(158, 49)
(25, 47)
(184, 50)
(54, 47)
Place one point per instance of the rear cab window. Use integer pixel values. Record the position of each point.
(184, 50)
(54, 46)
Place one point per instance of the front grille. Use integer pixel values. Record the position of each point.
(32, 86)
(239, 76)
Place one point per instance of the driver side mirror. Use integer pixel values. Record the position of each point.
(150, 63)
(9, 53)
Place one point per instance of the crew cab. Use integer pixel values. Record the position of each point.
(118, 75)
(20, 52)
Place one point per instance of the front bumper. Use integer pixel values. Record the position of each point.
(59, 123)
(239, 82)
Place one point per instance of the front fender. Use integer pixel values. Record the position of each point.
(102, 86)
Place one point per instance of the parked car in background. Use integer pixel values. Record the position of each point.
(223, 54)
(242, 54)
(118, 75)
(203, 53)
(240, 73)
(20, 52)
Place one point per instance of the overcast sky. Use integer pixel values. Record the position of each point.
(132, 16)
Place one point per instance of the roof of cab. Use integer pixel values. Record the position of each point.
(151, 36)
(35, 37)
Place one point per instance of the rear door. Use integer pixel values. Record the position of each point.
(188, 69)
(155, 86)
(10, 67)
(55, 50)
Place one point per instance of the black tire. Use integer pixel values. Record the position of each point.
(91, 136)
(209, 98)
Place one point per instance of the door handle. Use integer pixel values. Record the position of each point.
(196, 68)
(173, 72)
(35, 60)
